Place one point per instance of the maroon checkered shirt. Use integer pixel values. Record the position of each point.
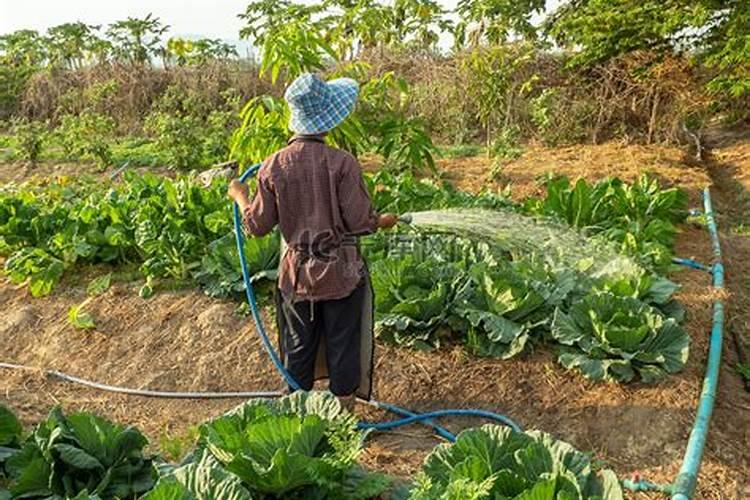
(319, 199)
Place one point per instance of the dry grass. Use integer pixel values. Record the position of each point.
(136, 89)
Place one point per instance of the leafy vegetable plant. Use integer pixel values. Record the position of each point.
(40, 269)
(81, 454)
(413, 296)
(76, 315)
(220, 274)
(507, 302)
(10, 436)
(493, 462)
(203, 478)
(617, 338)
(165, 226)
(80, 319)
(404, 192)
(641, 217)
(304, 444)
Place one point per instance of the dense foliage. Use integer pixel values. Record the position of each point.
(202, 478)
(605, 29)
(166, 227)
(413, 296)
(654, 72)
(507, 302)
(499, 304)
(300, 446)
(499, 296)
(303, 445)
(10, 437)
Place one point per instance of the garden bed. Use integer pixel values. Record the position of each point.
(183, 340)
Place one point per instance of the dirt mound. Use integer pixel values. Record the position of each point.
(592, 162)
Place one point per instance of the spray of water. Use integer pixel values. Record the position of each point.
(560, 245)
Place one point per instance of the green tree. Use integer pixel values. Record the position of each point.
(135, 40)
(21, 54)
(368, 24)
(208, 49)
(499, 76)
(180, 50)
(23, 48)
(416, 22)
(200, 51)
(716, 31)
(728, 51)
(292, 37)
(494, 21)
(264, 17)
(71, 44)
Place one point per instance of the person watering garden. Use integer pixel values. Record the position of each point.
(317, 196)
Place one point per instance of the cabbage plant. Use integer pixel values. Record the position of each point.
(414, 295)
(497, 463)
(10, 436)
(202, 478)
(304, 445)
(610, 337)
(506, 302)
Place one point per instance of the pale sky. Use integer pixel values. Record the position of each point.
(210, 18)
(192, 18)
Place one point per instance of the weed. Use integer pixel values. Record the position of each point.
(175, 446)
(461, 151)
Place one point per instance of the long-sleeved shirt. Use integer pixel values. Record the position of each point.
(318, 197)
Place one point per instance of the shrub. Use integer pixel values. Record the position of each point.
(30, 138)
(88, 136)
(187, 129)
(506, 145)
(177, 136)
(218, 129)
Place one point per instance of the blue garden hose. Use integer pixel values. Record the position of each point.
(687, 479)
(691, 264)
(408, 416)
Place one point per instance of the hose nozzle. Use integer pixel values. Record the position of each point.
(405, 218)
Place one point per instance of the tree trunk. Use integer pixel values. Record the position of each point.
(652, 119)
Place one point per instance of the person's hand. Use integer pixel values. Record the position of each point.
(237, 190)
(387, 221)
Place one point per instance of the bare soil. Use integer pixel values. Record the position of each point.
(184, 340)
(25, 172)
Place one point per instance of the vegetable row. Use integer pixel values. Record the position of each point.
(621, 326)
(507, 277)
(300, 446)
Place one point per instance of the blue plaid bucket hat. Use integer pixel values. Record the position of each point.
(319, 106)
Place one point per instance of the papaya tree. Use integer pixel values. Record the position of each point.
(135, 40)
(71, 44)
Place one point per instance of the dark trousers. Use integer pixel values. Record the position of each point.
(302, 326)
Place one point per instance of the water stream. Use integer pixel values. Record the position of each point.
(559, 244)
